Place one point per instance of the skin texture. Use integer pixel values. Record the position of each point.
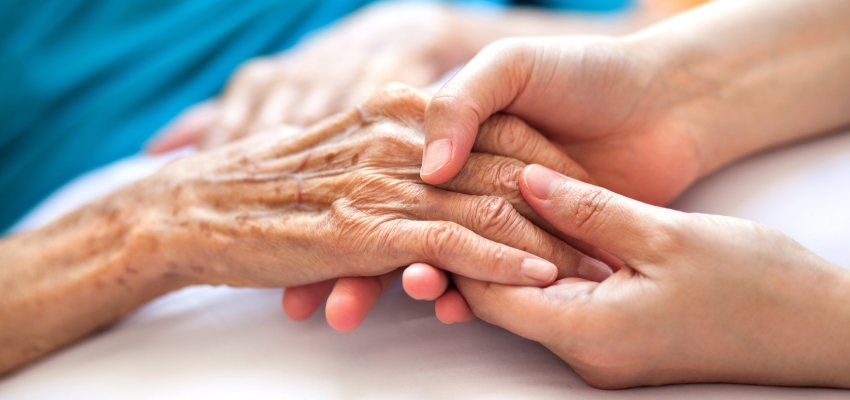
(647, 114)
(410, 42)
(701, 298)
(696, 298)
(352, 298)
(341, 199)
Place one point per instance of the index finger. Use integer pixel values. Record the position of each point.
(488, 84)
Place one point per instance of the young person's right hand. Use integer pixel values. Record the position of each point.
(647, 114)
(598, 98)
(699, 298)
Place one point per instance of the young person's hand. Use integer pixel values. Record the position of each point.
(647, 114)
(595, 97)
(699, 298)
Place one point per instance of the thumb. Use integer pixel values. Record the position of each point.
(599, 217)
(486, 85)
(533, 313)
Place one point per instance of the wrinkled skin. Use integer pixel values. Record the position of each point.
(494, 178)
(342, 199)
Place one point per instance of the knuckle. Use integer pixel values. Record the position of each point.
(507, 176)
(443, 240)
(461, 102)
(396, 100)
(498, 176)
(496, 214)
(506, 45)
(508, 132)
(589, 208)
(445, 100)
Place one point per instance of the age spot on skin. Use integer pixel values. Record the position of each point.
(355, 159)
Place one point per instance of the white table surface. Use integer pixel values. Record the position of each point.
(221, 343)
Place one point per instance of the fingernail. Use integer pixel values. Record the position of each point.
(437, 154)
(539, 270)
(593, 269)
(542, 181)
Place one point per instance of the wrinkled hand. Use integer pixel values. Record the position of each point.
(486, 174)
(700, 298)
(341, 199)
(406, 42)
(603, 100)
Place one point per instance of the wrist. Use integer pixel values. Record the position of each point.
(679, 103)
(76, 275)
(810, 344)
(825, 363)
(150, 254)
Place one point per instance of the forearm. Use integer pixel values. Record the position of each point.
(480, 29)
(73, 277)
(828, 351)
(748, 75)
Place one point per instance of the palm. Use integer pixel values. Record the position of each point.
(599, 103)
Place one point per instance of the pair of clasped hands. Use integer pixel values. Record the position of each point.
(654, 296)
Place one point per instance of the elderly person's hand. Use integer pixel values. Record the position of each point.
(699, 298)
(351, 298)
(342, 199)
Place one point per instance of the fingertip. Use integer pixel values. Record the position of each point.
(448, 141)
(424, 282)
(437, 162)
(451, 307)
(293, 305)
(343, 314)
(350, 302)
(300, 302)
